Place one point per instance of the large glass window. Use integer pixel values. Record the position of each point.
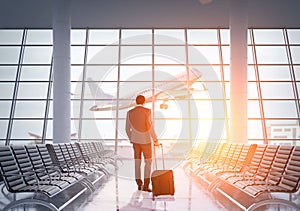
(274, 106)
(111, 66)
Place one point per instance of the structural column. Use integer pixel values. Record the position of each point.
(61, 71)
(238, 70)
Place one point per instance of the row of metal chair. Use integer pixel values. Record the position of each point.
(247, 176)
(53, 176)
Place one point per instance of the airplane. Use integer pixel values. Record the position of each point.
(35, 136)
(178, 87)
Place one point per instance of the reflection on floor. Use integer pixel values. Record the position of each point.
(122, 194)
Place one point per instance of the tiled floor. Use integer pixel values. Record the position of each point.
(122, 194)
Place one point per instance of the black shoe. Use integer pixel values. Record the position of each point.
(140, 187)
(147, 189)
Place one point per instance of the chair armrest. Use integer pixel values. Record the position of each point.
(54, 168)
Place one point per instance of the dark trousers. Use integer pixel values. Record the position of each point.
(146, 150)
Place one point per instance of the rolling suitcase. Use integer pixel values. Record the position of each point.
(162, 180)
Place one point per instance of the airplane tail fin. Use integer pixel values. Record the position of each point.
(97, 92)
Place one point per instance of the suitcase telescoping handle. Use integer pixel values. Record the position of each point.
(162, 155)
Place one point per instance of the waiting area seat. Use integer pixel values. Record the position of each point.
(51, 176)
(248, 177)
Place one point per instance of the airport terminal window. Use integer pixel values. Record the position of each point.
(30, 109)
(11, 36)
(271, 55)
(103, 36)
(293, 35)
(9, 55)
(129, 33)
(6, 90)
(78, 36)
(108, 63)
(274, 73)
(77, 55)
(274, 77)
(35, 73)
(268, 37)
(8, 73)
(202, 36)
(295, 54)
(177, 34)
(39, 37)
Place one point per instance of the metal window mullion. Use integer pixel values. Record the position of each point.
(260, 101)
(79, 129)
(153, 75)
(48, 100)
(118, 94)
(189, 109)
(292, 73)
(223, 83)
(16, 88)
(188, 88)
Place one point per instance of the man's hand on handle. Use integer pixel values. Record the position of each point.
(156, 143)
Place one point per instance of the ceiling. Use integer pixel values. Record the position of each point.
(149, 14)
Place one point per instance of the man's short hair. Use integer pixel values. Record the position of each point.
(140, 100)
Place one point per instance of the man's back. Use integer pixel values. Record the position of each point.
(139, 118)
(138, 125)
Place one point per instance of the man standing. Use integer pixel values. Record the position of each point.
(140, 131)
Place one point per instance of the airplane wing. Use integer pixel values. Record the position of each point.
(73, 135)
(112, 107)
(33, 135)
